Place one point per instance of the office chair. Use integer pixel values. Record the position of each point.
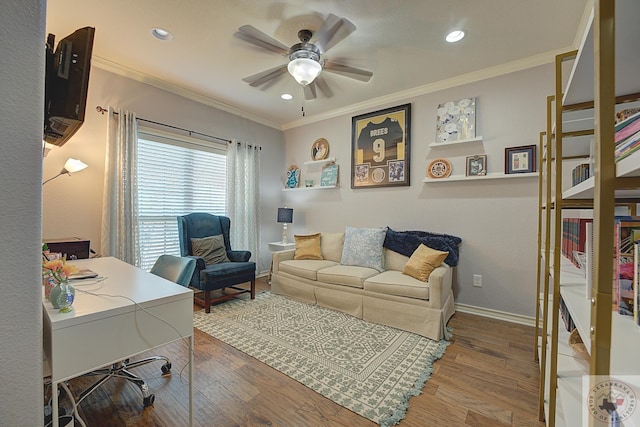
(178, 270)
(213, 277)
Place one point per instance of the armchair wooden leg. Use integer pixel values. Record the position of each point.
(253, 289)
(207, 301)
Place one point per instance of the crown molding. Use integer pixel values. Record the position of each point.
(132, 74)
(472, 77)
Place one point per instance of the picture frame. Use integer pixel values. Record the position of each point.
(520, 159)
(381, 148)
(477, 165)
(320, 149)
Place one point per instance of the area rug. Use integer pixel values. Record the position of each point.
(369, 369)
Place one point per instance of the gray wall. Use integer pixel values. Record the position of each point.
(21, 113)
(496, 219)
(81, 194)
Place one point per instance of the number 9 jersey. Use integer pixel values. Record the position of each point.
(378, 142)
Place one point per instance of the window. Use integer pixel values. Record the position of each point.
(176, 175)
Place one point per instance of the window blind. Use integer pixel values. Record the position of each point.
(175, 176)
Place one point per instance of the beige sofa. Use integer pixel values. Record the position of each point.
(390, 297)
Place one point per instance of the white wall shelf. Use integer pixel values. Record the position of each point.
(315, 187)
(320, 162)
(461, 141)
(480, 177)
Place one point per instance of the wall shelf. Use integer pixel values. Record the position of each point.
(481, 177)
(320, 162)
(461, 141)
(315, 187)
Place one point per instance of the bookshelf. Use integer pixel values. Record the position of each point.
(612, 340)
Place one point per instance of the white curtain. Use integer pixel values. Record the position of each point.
(243, 197)
(119, 211)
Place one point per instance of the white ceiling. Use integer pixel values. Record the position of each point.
(400, 41)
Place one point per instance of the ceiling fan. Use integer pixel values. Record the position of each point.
(306, 59)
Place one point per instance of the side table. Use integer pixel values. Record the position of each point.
(278, 246)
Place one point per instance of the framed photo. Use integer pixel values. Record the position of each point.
(381, 148)
(477, 165)
(520, 159)
(319, 149)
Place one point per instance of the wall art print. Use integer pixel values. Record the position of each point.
(381, 148)
(456, 120)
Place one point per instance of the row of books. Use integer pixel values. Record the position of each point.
(573, 237)
(627, 137)
(580, 173)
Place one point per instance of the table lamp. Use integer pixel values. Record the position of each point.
(285, 216)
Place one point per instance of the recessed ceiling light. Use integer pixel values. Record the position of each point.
(161, 34)
(455, 36)
(286, 96)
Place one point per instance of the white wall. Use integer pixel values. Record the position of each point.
(73, 204)
(497, 219)
(21, 112)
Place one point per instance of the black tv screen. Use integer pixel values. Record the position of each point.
(66, 84)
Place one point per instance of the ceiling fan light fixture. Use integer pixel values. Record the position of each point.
(304, 70)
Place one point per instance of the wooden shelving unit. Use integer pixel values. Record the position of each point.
(580, 114)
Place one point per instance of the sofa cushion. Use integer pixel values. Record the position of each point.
(393, 260)
(346, 275)
(210, 248)
(307, 247)
(331, 245)
(393, 282)
(363, 247)
(306, 268)
(423, 261)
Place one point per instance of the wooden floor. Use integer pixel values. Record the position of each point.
(487, 377)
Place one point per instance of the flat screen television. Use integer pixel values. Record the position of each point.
(66, 84)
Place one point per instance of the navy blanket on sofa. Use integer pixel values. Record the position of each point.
(406, 242)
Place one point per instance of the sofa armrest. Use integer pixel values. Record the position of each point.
(279, 256)
(440, 285)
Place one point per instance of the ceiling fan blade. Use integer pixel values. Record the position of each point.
(253, 35)
(323, 86)
(332, 32)
(264, 76)
(310, 91)
(347, 71)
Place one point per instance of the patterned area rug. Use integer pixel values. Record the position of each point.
(369, 369)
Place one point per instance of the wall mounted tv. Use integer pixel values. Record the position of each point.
(66, 84)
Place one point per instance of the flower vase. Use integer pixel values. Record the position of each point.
(49, 282)
(62, 296)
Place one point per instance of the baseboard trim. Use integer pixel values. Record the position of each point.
(496, 314)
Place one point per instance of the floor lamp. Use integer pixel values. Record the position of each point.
(71, 166)
(285, 216)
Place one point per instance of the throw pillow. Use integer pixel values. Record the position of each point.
(423, 261)
(331, 245)
(363, 247)
(307, 247)
(210, 248)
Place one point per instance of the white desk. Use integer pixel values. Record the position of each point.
(102, 330)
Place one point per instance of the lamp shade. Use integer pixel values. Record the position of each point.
(285, 215)
(304, 70)
(74, 165)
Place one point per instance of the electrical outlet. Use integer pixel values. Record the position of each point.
(477, 280)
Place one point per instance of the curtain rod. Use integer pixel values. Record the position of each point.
(102, 110)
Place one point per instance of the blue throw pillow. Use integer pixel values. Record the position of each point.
(363, 247)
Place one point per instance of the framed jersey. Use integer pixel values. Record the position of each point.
(381, 148)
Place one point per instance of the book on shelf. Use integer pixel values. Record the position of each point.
(627, 146)
(636, 282)
(626, 232)
(627, 131)
(625, 117)
(580, 173)
(573, 237)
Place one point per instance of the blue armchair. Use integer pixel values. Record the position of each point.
(208, 278)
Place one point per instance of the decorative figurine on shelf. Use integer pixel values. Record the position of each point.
(293, 176)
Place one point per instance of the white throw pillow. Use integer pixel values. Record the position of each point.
(363, 247)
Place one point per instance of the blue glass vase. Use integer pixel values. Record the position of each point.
(62, 296)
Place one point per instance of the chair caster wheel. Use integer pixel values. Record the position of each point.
(148, 401)
(166, 368)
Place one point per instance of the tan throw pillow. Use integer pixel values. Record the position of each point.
(307, 247)
(331, 246)
(423, 261)
(210, 248)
